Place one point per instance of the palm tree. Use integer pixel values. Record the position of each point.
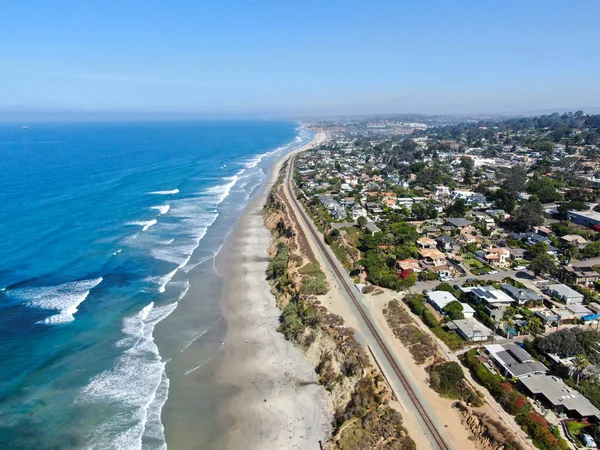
(509, 324)
(580, 363)
(535, 325)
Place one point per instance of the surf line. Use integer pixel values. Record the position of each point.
(205, 362)
(200, 335)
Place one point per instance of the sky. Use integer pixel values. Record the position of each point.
(297, 58)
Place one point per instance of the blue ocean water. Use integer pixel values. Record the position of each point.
(99, 225)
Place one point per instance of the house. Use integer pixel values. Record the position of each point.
(585, 276)
(358, 211)
(472, 330)
(513, 361)
(447, 244)
(517, 253)
(585, 218)
(408, 264)
(462, 225)
(487, 295)
(563, 399)
(373, 228)
(565, 294)
(521, 296)
(440, 299)
(499, 256)
(431, 231)
(432, 257)
(426, 242)
(575, 239)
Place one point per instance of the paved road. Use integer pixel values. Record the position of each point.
(364, 334)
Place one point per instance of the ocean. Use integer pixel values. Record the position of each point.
(103, 226)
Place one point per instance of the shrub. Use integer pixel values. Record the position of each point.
(444, 379)
(314, 286)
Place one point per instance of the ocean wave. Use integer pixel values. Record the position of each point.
(172, 191)
(136, 386)
(64, 298)
(163, 209)
(144, 224)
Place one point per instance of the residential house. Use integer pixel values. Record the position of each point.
(426, 242)
(562, 398)
(499, 256)
(487, 295)
(575, 239)
(472, 330)
(432, 257)
(462, 225)
(586, 276)
(408, 264)
(447, 244)
(521, 295)
(440, 299)
(513, 361)
(565, 294)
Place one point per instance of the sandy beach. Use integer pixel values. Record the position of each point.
(276, 401)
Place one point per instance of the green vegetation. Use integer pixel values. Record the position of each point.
(454, 310)
(417, 305)
(515, 403)
(571, 342)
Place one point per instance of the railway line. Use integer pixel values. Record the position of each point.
(421, 411)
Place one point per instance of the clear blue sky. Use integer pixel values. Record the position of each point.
(299, 57)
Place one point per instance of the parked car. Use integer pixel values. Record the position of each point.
(520, 268)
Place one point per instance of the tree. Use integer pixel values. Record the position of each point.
(535, 326)
(539, 249)
(514, 181)
(466, 163)
(456, 209)
(454, 310)
(542, 264)
(580, 363)
(591, 250)
(362, 222)
(528, 215)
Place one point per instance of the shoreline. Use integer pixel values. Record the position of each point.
(276, 401)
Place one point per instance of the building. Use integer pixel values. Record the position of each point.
(464, 226)
(513, 361)
(499, 256)
(575, 239)
(440, 299)
(562, 398)
(487, 295)
(585, 276)
(521, 296)
(432, 257)
(585, 218)
(472, 330)
(447, 244)
(408, 264)
(426, 242)
(565, 294)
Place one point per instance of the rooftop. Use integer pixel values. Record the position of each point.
(564, 291)
(472, 328)
(458, 222)
(516, 361)
(488, 294)
(559, 394)
(441, 298)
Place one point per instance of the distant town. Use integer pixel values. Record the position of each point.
(487, 234)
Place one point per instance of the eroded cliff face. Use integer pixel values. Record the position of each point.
(489, 434)
(357, 392)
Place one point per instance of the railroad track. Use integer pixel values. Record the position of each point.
(435, 434)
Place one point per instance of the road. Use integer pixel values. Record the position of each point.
(400, 382)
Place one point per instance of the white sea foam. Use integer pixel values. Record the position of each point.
(64, 298)
(136, 384)
(199, 335)
(118, 251)
(162, 209)
(172, 191)
(144, 224)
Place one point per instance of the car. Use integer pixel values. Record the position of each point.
(520, 268)
(471, 280)
(493, 272)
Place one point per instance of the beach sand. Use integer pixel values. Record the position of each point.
(276, 401)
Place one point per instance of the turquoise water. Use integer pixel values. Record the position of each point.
(100, 225)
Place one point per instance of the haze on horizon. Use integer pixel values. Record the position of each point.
(242, 58)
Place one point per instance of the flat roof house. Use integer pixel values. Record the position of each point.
(514, 361)
(578, 275)
(565, 294)
(440, 299)
(487, 295)
(561, 397)
(585, 218)
(465, 226)
(472, 330)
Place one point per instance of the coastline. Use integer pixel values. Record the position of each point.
(276, 401)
